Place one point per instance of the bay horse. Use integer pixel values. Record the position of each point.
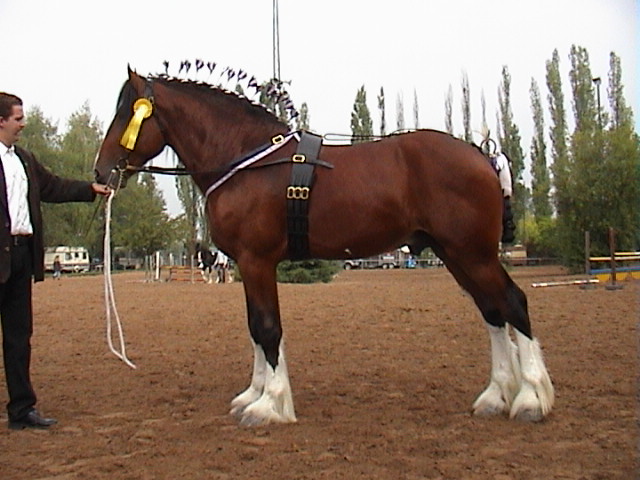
(419, 189)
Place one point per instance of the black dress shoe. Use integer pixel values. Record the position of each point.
(32, 420)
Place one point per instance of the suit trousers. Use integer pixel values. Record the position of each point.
(16, 315)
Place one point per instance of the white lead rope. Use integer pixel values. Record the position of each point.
(109, 297)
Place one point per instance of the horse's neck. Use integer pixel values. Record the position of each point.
(210, 144)
(208, 133)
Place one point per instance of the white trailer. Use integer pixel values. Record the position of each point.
(72, 259)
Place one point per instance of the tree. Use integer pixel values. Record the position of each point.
(621, 114)
(68, 156)
(74, 221)
(587, 189)
(509, 138)
(302, 121)
(622, 157)
(483, 109)
(361, 124)
(381, 107)
(448, 111)
(140, 222)
(560, 165)
(416, 113)
(194, 221)
(540, 182)
(399, 112)
(40, 136)
(466, 109)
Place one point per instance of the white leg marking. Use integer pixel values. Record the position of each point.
(536, 396)
(268, 399)
(254, 391)
(505, 375)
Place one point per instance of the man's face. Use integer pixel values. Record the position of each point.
(11, 127)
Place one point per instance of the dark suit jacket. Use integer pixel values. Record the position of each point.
(43, 186)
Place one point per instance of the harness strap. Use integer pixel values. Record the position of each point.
(298, 191)
(276, 143)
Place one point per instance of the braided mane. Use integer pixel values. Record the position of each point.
(274, 101)
(214, 93)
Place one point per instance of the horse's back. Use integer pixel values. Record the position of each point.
(386, 190)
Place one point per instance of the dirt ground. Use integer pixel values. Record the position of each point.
(384, 365)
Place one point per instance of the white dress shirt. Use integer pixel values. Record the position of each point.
(17, 189)
(504, 174)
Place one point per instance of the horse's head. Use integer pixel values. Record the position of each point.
(134, 135)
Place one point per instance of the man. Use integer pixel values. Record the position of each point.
(24, 183)
(500, 163)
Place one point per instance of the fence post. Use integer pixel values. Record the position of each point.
(612, 252)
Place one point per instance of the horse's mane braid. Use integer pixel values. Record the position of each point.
(272, 95)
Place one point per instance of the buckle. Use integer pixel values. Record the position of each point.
(297, 193)
(277, 140)
(298, 158)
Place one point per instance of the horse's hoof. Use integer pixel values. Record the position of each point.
(488, 410)
(529, 415)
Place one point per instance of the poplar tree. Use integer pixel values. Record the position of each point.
(466, 109)
(483, 110)
(560, 166)
(622, 154)
(302, 120)
(361, 124)
(194, 220)
(540, 182)
(448, 111)
(509, 138)
(399, 112)
(416, 113)
(588, 194)
(381, 108)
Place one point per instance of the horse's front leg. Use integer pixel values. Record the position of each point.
(268, 398)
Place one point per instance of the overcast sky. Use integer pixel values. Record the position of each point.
(60, 54)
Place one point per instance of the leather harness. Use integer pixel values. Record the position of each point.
(298, 193)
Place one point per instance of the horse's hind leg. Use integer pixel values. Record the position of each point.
(519, 382)
(268, 398)
(505, 379)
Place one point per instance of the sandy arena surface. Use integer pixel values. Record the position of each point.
(384, 366)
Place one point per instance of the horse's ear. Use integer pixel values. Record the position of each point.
(135, 80)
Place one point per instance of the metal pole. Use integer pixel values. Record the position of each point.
(598, 81)
(276, 41)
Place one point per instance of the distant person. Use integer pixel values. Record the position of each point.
(57, 268)
(501, 165)
(221, 264)
(24, 183)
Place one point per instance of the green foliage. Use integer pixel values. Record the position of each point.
(302, 121)
(307, 271)
(361, 123)
(466, 109)
(559, 132)
(69, 156)
(448, 111)
(509, 137)
(541, 238)
(599, 187)
(399, 112)
(140, 223)
(382, 108)
(540, 183)
(194, 222)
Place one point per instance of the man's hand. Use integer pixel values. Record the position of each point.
(100, 189)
